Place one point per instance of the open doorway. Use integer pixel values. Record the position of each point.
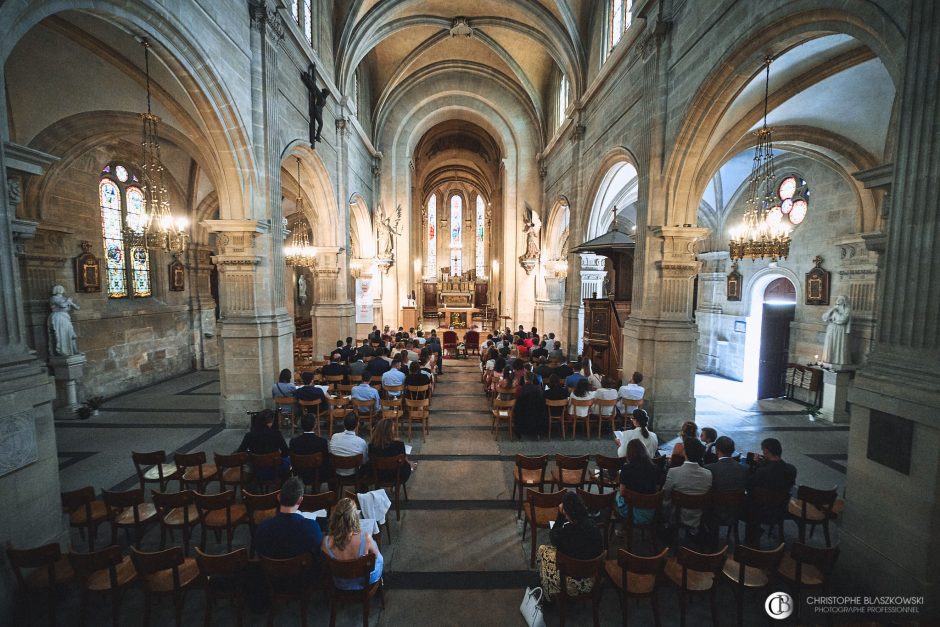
(767, 346)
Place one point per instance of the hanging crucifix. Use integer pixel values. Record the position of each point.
(315, 103)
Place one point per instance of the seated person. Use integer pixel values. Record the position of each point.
(541, 351)
(769, 472)
(379, 365)
(347, 350)
(709, 435)
(543, 369)
(385, 443)
(416, 376)
(288, 534)
(348, 443)
(347, 541)
(365, 392)
(632, 391)
(356, 368)
(264, 438)
(555, 391)
(394, 377)
(575, 535)
(309, 392)
(607, 391)
(564, 370)
(335, 368)
(571, 381)
(639, 431)
(689, 478)
(555, 354)
(727, 476)
(530, 416)
(284, 387)
(638, 475)
(582, 391)
(687, 430)
(309, 443)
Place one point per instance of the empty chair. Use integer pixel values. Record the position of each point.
(224, 577)
(230, 470)
(194, 471)
(529, 472)
(152, 468)
(812, 507)
(502, 412)
(386, 474)
(128, 510)
(417, 410)
(695, 573)
(750, 569)
(48, 570)
(259, 508)
(541, 509)
(353, 570)
(636, 577)
(608, 472)
(287, 410)
(85, 512)
(570, 471)
(220, 512)
(103, 572)
(289, 580)
(579, 569)
(807, 568)
(557, 411)
(765, 507)
(165, 573)
(176, 510)
(724, 510)
(339, 409)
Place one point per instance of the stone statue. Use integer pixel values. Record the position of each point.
(839, 320)
(301, 290)
(316, 102)
(531, 231)
(62, 338)
(384, 230)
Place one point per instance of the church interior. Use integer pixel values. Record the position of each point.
(728, 198)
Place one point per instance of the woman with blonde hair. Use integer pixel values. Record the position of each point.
(347, 541)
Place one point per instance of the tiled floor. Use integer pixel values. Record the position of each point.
(457, 557)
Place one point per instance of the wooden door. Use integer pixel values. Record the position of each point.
(774, 349)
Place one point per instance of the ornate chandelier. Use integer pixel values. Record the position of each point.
(300, 253)
(157, 228)
(763, 232)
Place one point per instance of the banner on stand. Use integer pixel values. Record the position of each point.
(364, 306)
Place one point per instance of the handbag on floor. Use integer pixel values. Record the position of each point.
(531, 607)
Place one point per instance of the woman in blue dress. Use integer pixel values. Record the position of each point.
(346, 541)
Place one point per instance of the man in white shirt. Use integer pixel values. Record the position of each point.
(421, 339)
(365, 392)
(394, 377)
(632, 391)
(689, 478)
(347, 444)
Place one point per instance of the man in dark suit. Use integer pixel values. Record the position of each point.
(379, 365)
(308, 391)
(434, 345)
(768, 472)
(335, 368)
(727, 476)
(309, 443)
(539, 352)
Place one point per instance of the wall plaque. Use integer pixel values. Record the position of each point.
(733, 284)
(177, 274)
(889, 441)
(817, 284)
(17, 441)
(87, 271)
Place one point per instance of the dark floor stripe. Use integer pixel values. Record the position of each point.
(462, 580)
(437, 427)
(441, 457)
(836, 461)
(805, 428)
(132, 481)
(196, 387)
(457, 504)
(143, 410)
(135, 425)
(73, 457)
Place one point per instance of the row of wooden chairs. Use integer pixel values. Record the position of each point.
(562, 412)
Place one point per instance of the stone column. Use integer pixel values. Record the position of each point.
(592, 286)
(895, 400)
(660, 339)
(332, 315)
(205, 340)
(712, 292)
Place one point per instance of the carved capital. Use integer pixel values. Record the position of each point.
(577, 132)
(461, 28)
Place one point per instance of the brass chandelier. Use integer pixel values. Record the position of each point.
(300, 254)
(762, 233)
(157, 228)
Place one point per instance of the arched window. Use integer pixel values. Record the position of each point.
(456, 225)
(620, 16)
(793, 199)
(481, 219)
(122, 211)
(431, 268)
(302, 13)
(357, 94)
(563, 89)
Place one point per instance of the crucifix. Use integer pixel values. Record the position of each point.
(613, 221)
(315, 103)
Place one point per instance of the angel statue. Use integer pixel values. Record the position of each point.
(531, 230)
(384, 230)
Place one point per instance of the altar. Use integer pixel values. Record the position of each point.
(457, 317)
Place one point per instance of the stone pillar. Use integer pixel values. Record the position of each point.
(712, 292)
(592, 286)
(205, 341)
(896, 394)
(660, 339)
(332, 315)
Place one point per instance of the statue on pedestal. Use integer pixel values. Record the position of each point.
(384, 230)
(301, 289)
(62, 338)
(839, 319)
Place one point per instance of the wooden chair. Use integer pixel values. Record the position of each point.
(418, 410)
(598, 411)
(635, 577)
(365, 411)
(316, 502)
(418, 392)
(165, 573)
(314, 407)
(85, 512)
(608, 472)
(339, 409)
(194, 471)
(574, 404)
(220, 512)
(569, 472)
(333, 380)
(176, 510)
(601, 508)
(259, 508)
(502, 412)
(307, 467)
(265, 469)
(103, 572)
(382, 469)
(579, 569)
(812, 507)
(48, 568)
(230, 470)
(344, 389)
(750, 569)
(529, 472)
(682, 501)
(352, 462)
(393, 391)
(152, 468)
(376, 537)
(695, 573)
(557, 410)
(287, 411)
(128, 510)
(724, 509)
(807, 568)
(635, 500)
(393, 409)
(224, 579)
(767, 507)
(289, 580)
(359, 568)
(541, 509)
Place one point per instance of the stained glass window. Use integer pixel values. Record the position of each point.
(562, 99)
(794, 199)
(432, 236)
(481, 219)
(307, 16)
(456, 224)
(122, 208)
(620, 18)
